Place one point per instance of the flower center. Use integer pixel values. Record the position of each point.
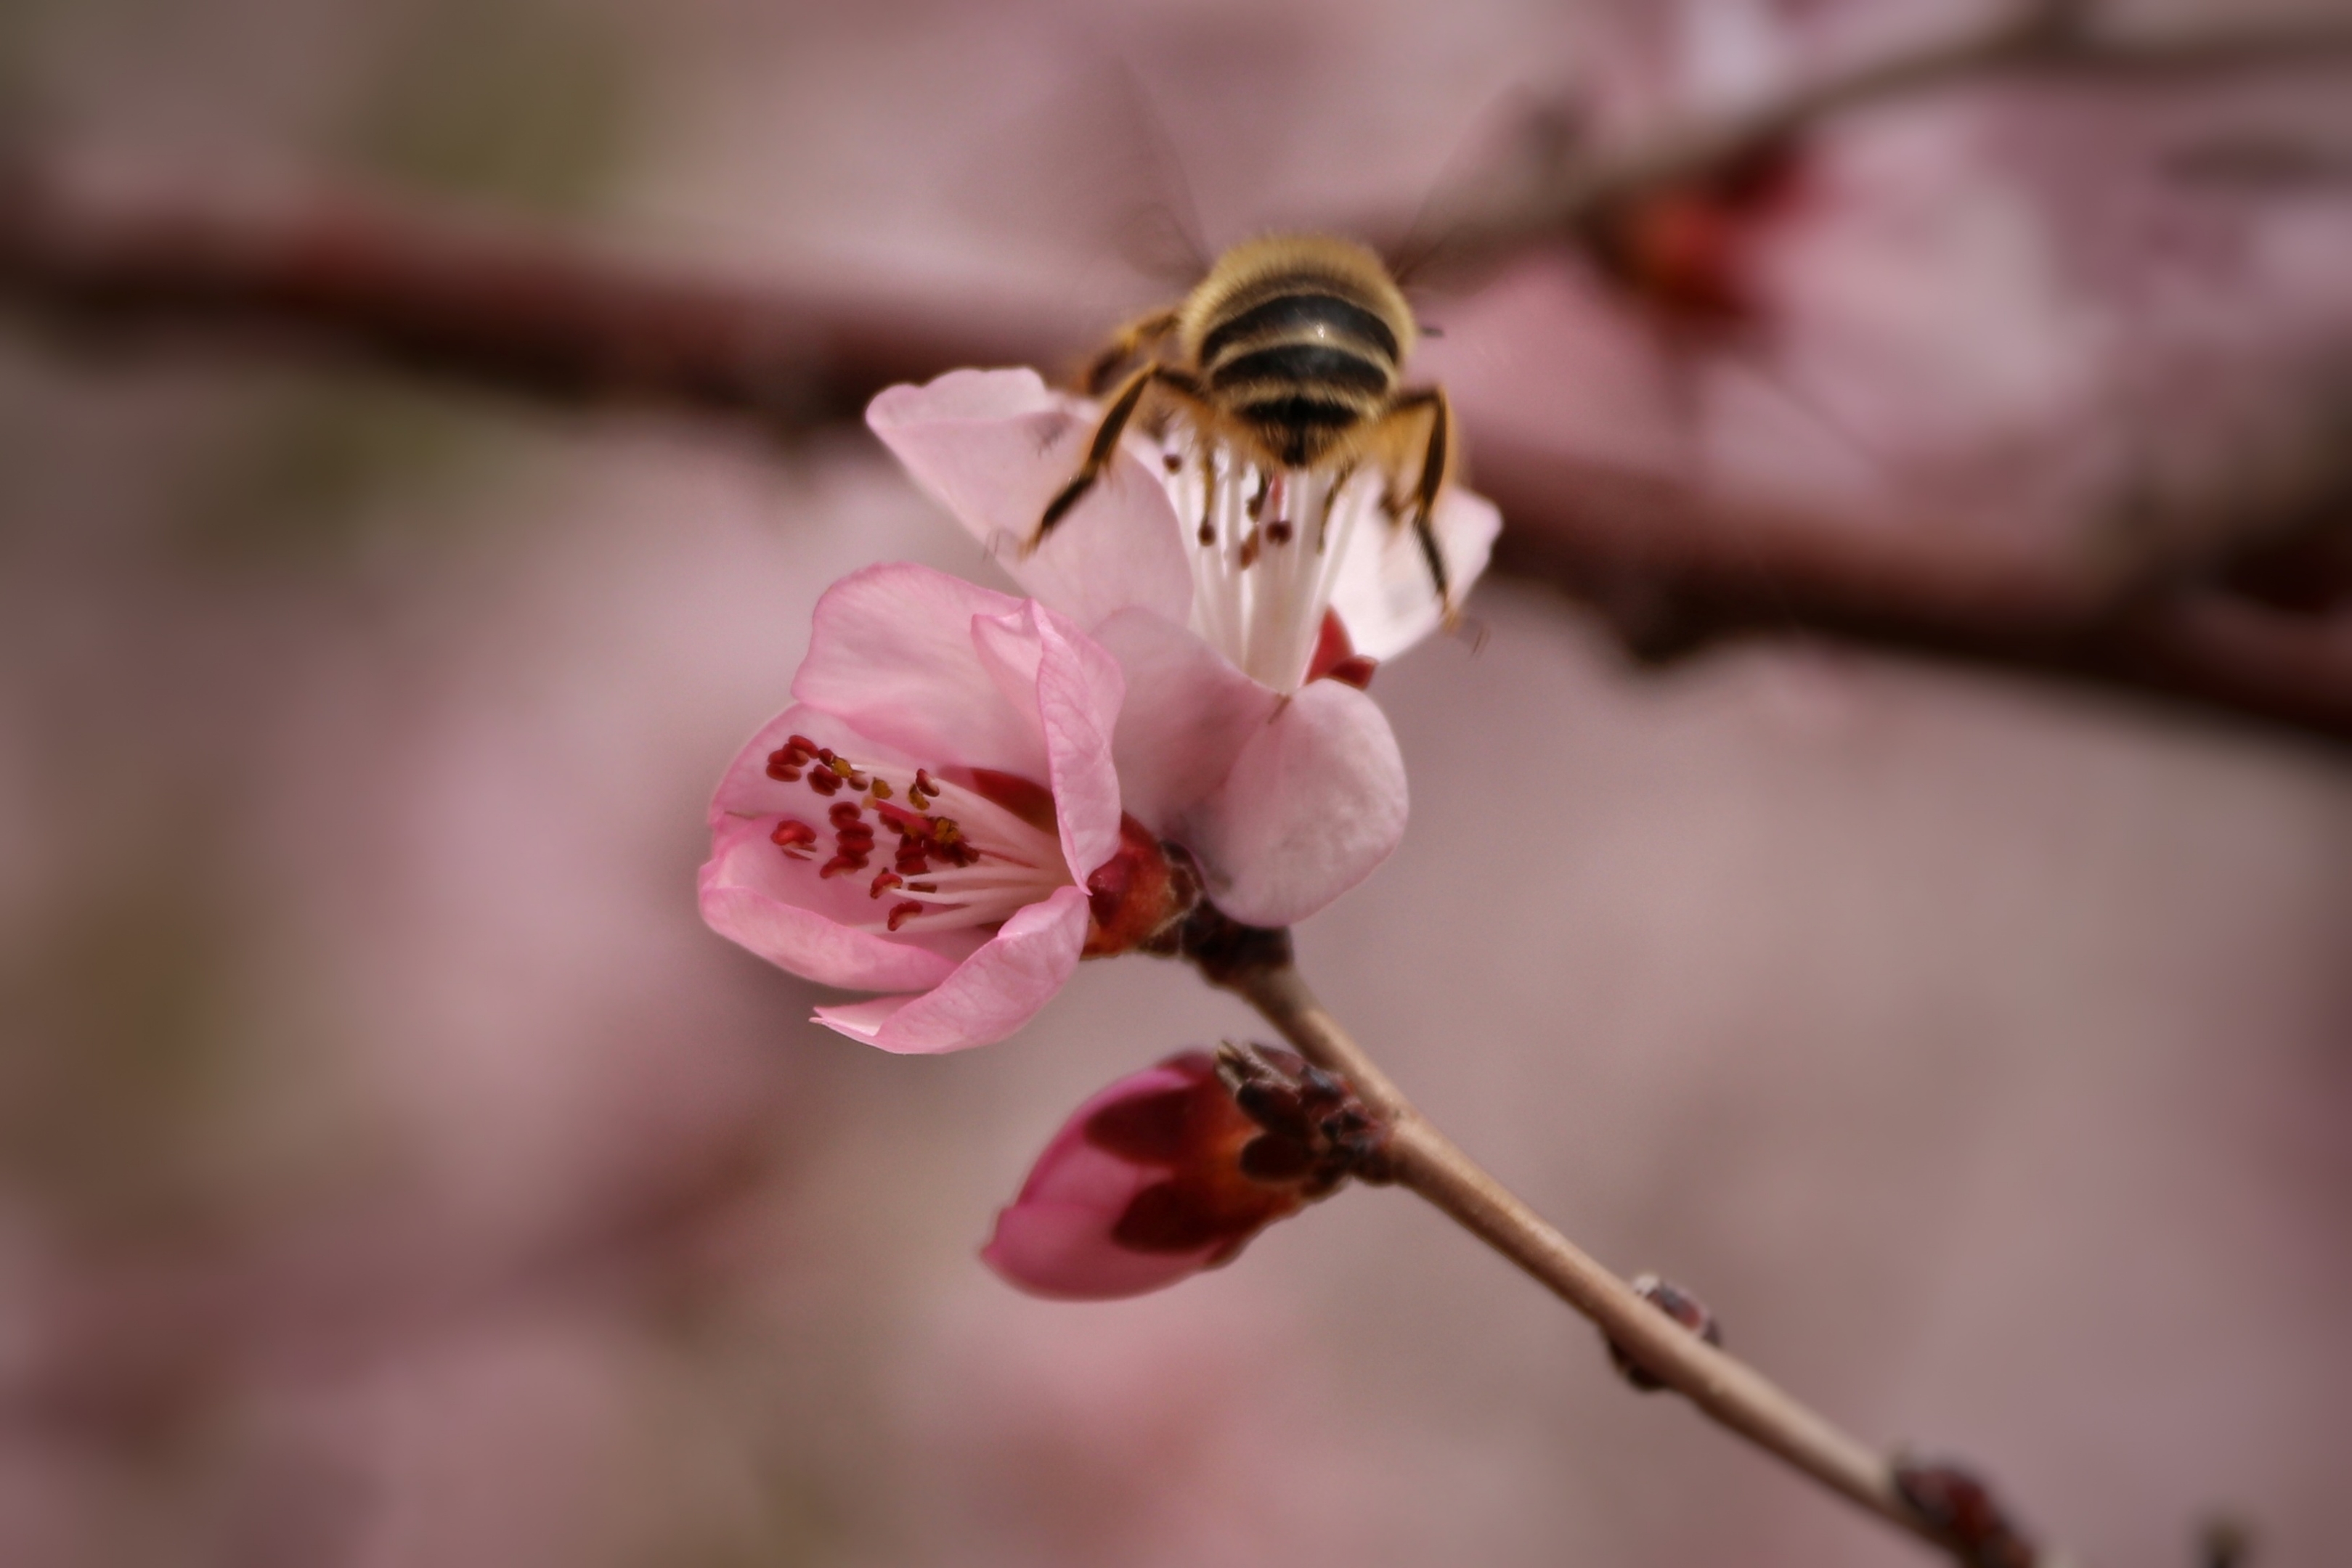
(972, 846)
(1267, 545)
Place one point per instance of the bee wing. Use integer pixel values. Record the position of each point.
(1514, 148)
(1087, 170)
(1161, 237)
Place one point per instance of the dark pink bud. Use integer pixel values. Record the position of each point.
(1172, 1170)
(1687, 251)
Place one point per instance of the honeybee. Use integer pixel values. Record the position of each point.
(1288, 353)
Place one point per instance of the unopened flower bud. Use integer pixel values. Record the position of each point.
(1172, 1170)
(1676, 1304)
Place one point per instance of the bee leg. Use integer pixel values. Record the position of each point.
(1106, 442)
(1131, 339)
(1097, 457)
(1435, 459)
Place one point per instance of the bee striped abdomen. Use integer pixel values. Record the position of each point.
(1301, 364)
(1290, 316)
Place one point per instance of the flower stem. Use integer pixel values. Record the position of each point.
(1423, 1159)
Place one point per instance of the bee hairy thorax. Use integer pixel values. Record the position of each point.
(1300, 361)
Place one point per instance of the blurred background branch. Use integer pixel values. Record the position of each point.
(112, 260)
(2048, 37)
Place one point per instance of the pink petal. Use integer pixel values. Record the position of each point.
(1315, 802)
(1065, 1251)
(994, 446)
(1383, 593)
(993, 992)
(1074, 688)
(1187, 717)
(755, 894)
(891, 655)
(1054, 1239)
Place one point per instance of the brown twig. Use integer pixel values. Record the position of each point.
(1671, 572)
(1421, 1158)
(498, 305)
(429, 288)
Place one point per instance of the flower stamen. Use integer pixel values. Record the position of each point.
(1269, 545)
(982, 844)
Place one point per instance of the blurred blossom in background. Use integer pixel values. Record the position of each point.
(394, 1171)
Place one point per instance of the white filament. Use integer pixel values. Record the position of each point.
(1259, 591)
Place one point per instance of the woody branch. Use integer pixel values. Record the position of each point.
(1257, 965)
(426, 289)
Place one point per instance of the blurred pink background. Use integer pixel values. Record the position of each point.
(392, 1170)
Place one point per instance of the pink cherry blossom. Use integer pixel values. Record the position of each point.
(974, 730)
(1142, 1186)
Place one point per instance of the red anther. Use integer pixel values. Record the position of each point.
(855, 841)
(784, 765)
(914, 864)
(1277, 532)
(923, 887)
(806, 747)
(792, 834)
(844, 813)
(841, 864)
(901, 913)
(856, 779)
(923, 781)
(883, 879)
(824, 781)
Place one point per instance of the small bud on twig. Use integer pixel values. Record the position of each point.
(1955, 1503)
(2224, 1542)
(1676, 1304)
